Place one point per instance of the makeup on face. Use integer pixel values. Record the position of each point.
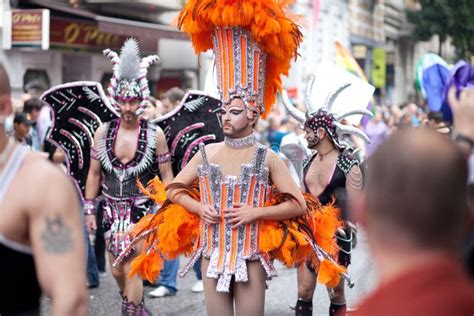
(234, 118)
(312, 138)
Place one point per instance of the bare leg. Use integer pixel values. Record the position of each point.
(337, 296)
(250, 296)
(306, 286)
(117, 272)
(338, 300)
(306, 282)
(133, 286)
(217, 303)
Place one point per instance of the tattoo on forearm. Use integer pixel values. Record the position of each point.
(56, 236)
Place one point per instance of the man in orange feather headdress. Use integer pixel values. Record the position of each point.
(234, 175)
(222, 207)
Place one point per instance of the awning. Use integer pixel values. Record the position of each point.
(139, 29)
(147, 33)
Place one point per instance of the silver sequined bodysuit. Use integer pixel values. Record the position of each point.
(227, 248)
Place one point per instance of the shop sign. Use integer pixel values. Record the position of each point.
(82, 35)
(26, 28)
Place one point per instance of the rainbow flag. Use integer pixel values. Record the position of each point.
(345, 60)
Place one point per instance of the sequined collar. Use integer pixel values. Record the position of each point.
(239, 143)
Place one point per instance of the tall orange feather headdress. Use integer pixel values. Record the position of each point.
(253, 41)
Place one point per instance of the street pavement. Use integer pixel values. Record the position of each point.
(281, 293)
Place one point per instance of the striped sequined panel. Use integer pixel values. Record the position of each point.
(226, 247)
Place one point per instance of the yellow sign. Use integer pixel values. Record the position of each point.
(379, 66)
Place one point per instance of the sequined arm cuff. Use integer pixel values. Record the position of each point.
(94, 154)
(89, 207)
(164, 158)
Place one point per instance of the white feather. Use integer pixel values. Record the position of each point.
(194, 105)
(129, 67)
(91, 95)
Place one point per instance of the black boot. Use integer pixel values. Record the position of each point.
(304, 307)
(337, 309)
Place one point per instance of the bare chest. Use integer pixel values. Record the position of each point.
(125, 145)
(318, 175)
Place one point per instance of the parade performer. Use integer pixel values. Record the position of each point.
(109, 147)
(232, 205)
(329, 173)
(121, 158)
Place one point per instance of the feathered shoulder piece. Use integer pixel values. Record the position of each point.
(253, 40)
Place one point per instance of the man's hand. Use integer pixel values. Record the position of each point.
(91, 224)
(208, 214)
(463, 111)
(241, 214)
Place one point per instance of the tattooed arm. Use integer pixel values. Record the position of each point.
(56, 227)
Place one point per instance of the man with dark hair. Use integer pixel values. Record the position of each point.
(463, 134)
(119, 160)
(435, 120)
(32, 108)
(21, 129)
(41, 240)
(171, 99)
(415, 212)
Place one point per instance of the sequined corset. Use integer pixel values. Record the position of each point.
(228, 249)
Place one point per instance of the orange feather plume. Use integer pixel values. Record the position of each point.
(288, 240)
(173, 231)
(330, 273)
(269, 23)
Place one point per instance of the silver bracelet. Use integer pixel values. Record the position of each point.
(89, 207)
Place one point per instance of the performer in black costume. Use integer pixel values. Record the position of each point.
(328, 173)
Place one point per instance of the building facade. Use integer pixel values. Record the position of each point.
(77, 32)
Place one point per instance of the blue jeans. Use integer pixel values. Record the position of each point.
(197, 269)
(92, 269)
(168, 275)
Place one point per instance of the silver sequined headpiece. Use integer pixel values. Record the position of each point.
(240, 67)
(129, 75)
(324, 117)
